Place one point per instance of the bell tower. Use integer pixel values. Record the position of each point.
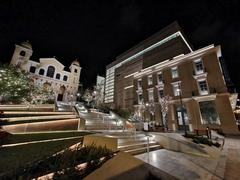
(75, 72)
(21, 55)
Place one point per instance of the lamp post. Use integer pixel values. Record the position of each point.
(182, 113)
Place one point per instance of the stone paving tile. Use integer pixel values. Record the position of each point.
(182, 166)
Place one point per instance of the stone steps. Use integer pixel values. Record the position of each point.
(143, 149)
(32, 118)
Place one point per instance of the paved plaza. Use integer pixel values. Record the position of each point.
(187, 166)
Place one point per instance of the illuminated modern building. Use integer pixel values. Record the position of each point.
(49, 72)
(163, 65)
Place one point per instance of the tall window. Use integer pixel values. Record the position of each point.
(32, 69)
(150, 96)
(41, 72)
(150, 80)
(199, 67)
(203, 88)
(160, 78)
(160, 93)
(176, 89)
(140, 98)
(139, 84)
(175, 72)
(58, 76)
(50, 71)
(65, 78)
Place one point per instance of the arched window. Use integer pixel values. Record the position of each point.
(22, 53)
(58, 76)
(32, 69)
(50, 71)
(65, 78)
(41, 72)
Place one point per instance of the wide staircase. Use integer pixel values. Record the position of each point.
(22, 118)
(100, 121)
(133, 142)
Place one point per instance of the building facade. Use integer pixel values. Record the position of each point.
(198, 91)
(167, 43)
(49, 73)
(165, 65)
(100, 86)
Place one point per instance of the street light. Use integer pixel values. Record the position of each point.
(182, 108)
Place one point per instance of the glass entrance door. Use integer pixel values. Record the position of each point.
(181, 114)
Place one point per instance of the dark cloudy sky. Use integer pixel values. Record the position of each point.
(97, 31)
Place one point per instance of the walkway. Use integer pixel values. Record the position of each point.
(182, 166)
(232, 150)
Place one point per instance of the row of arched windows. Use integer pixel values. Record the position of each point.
(50, 72)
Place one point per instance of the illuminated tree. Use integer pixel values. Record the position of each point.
(87, 96)
(164, 102)
(15, 85)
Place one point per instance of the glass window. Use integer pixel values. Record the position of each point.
(41, 72)
(140, 98)
(139, 84)
(199, 67)
(175, 72)
(176, 89)
(75, 70)
(209, 113)
(58, 76)
(150, 80)
(203, 87)
(160, 78)
(65, 78)
(32, 69)
(160, 93)
(50, 71)
(150, 95)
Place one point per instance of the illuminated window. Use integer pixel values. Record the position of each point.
(160, 93)
(203, 88)
(160, 78)
(150, 80)
(175, 72)
(150, 96)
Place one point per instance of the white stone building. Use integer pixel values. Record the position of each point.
(49, 72)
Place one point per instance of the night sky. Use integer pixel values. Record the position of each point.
(95, 32)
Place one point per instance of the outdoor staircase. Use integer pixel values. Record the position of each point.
(133, 142)
(100, 121)
(22, 119)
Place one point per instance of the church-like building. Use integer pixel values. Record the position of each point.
(49, 72)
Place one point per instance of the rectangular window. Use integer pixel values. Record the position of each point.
(140, 98)
(175, 72)
(199, 67)
(176, 89)
(209, 113)
(160, 93)
(139, 84)
(160, 78)
(150, 80)
(203, 88)
(150, 96)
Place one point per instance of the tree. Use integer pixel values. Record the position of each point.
(164, 102)
(15, 85)
(87, 96)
